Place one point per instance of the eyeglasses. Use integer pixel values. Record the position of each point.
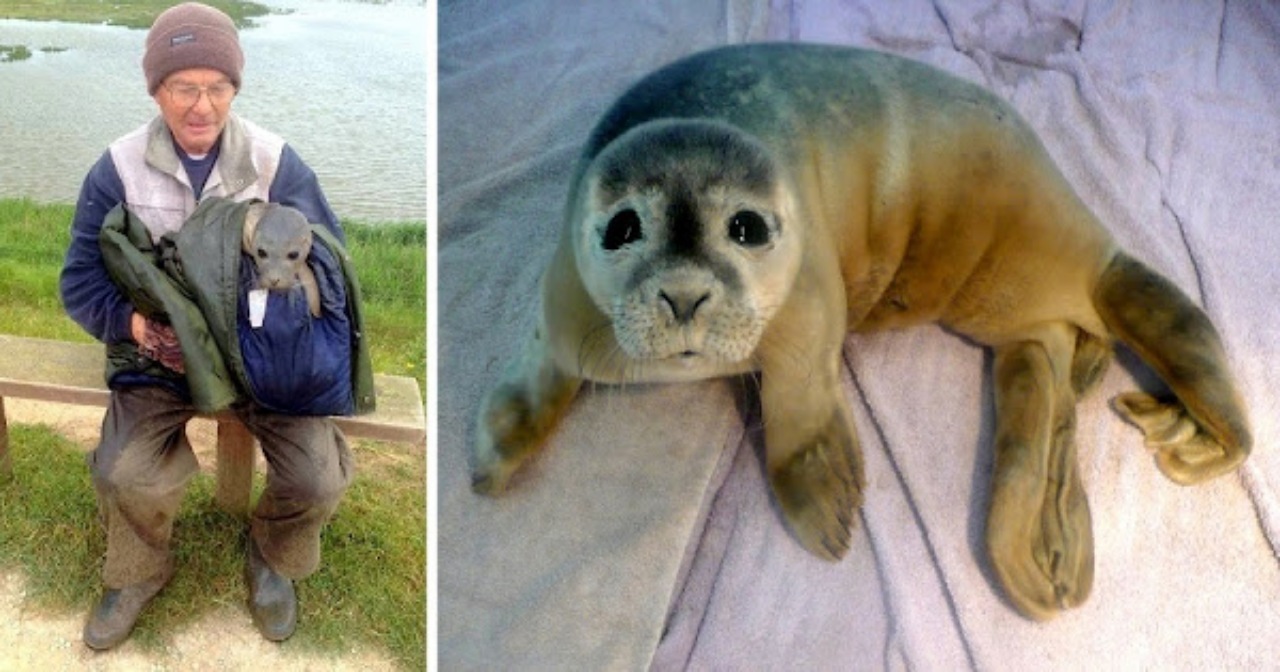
(188, 95)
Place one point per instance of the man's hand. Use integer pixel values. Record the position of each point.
(157, 341)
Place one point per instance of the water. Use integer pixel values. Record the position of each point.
(344, 83)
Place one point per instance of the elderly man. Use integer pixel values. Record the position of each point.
(195, 148)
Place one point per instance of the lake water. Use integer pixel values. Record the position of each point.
(343, 82)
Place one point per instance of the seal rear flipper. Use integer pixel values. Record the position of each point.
(1039, 531)
(1203, 432)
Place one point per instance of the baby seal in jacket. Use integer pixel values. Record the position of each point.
(278, 238)
(745, 208)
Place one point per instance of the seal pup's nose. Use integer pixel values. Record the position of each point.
(683, 304)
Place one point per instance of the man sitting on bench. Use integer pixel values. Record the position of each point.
(195, 148)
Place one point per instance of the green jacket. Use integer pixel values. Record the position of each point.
(191, 280)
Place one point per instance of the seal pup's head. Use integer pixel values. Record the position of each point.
(684, 240)
(278, 238)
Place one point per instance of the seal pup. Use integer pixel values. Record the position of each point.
(278, 238)
(743, 209)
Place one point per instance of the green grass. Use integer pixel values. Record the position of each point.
(50, 500)
(33, 240)
(369, 589)
(391, 263)
(48, 523)
(129, 13)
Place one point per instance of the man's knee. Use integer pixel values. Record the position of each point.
(143, 441)
(317, 475)
(138, 477)
(317, 484)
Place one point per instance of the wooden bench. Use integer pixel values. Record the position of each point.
(72, 373)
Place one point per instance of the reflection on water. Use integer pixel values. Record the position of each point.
(343, 83)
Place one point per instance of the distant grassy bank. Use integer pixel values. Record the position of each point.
(389, 258)
(128, 13)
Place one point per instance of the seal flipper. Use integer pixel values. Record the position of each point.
(819, 488)
(1039, 533)
(307, 279)
(1204, 432)
(812, 454)
(518, 416)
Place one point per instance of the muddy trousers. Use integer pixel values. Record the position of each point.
(143, 463)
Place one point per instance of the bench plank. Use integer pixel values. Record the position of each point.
(73, 373)
(235, 467)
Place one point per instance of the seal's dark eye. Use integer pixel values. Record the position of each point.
(262, 254)
(623, 229)
(748, 229)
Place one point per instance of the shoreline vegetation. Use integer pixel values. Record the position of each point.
(137, 14)
(133, 14)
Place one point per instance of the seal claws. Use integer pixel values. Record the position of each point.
(491, 475)
(486, 484)
(818, 490)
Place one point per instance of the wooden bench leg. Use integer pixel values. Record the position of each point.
(6, 463)
(235, 467)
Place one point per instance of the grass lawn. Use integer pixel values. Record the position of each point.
(372, 585)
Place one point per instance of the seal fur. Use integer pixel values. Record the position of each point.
(745, 208)
(278, 239)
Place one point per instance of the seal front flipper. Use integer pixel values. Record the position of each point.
(812, 454)
(819, 487)
(518, 415)
(1203, 432)
(307, 279)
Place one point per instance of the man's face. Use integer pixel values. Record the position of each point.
(195, 103)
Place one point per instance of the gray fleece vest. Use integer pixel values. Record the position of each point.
(156, 186)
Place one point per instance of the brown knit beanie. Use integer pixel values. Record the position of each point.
(192, 35)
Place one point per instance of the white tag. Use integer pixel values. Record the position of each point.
(257, 307)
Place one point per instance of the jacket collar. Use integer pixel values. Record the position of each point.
(234, 170)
